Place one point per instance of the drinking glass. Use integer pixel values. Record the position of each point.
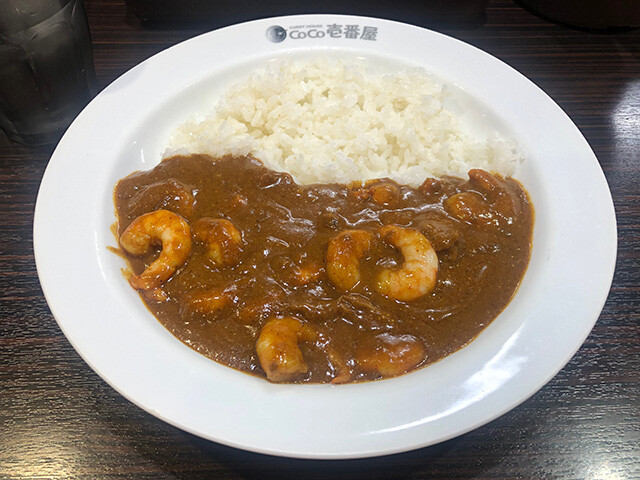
(46, 67)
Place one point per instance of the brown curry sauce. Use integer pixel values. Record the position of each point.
(480, 228)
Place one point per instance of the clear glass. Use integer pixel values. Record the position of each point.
(46, 67)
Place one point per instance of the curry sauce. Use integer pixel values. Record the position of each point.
(275, 236)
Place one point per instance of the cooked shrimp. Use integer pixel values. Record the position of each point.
(343, 257)
(493, 205)
(497, 192)
(435, 188)
(278, 351)
(157, 295)
(417, 277)
(306, 273)
(222, 239)
(471, 207)
(431, 186)
(159, 227)
(380, 191)
(206, 301)
(252, 310)
(390, 355)
(484, 180)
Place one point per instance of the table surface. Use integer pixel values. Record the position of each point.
(58, 419)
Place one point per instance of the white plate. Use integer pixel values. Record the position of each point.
(125, 129)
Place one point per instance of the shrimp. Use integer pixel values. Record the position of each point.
(278, 351)
(380, 191)
(222, 239)
(159, 227)
(471, 207)
(205, 301)
(497, 192)
(493, 205)
(253, 310)
(417, 277)
(434, 188)
(157, 295)
(306, 273)
(343, 257)
(390, 355)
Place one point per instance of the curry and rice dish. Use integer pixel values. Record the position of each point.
(348, 252)
(326, 282)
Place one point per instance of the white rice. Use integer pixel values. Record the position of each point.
(331, 121)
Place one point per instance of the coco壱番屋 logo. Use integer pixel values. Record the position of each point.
(351, 32)
(276, 34)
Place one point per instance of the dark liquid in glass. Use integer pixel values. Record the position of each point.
(46, 67)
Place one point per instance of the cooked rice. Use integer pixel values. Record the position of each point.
(332, 121)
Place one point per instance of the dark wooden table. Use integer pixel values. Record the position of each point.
(58, 419)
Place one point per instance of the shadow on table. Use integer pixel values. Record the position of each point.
(429, 461)
(147, 445)
(128, 439)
